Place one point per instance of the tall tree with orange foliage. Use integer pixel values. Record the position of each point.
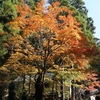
(56, 38)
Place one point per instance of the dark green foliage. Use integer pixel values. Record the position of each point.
(1, 27)
(3, 50)
(31, 4)
(36, 0)
(90, 25)
(8, 11)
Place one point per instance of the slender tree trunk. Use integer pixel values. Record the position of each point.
(73, 92)
(56, 91)
(77, 93)
(29, 83)
(39, 88)
(52, 89)
(23, 81)
(1, 90)
(61, 87)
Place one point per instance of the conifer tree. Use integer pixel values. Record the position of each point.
(8, 11)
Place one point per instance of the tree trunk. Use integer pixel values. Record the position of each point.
(23, 82)
(61, 87)
(53, 90)
(1, 90)
(56, 91)
(39, 88)
(29, 83)
(73, 92)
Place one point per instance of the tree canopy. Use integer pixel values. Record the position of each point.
(41, 39)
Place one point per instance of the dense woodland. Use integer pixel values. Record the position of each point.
(58, 40)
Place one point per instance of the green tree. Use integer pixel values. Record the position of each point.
(8, 11)
(31, 3)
